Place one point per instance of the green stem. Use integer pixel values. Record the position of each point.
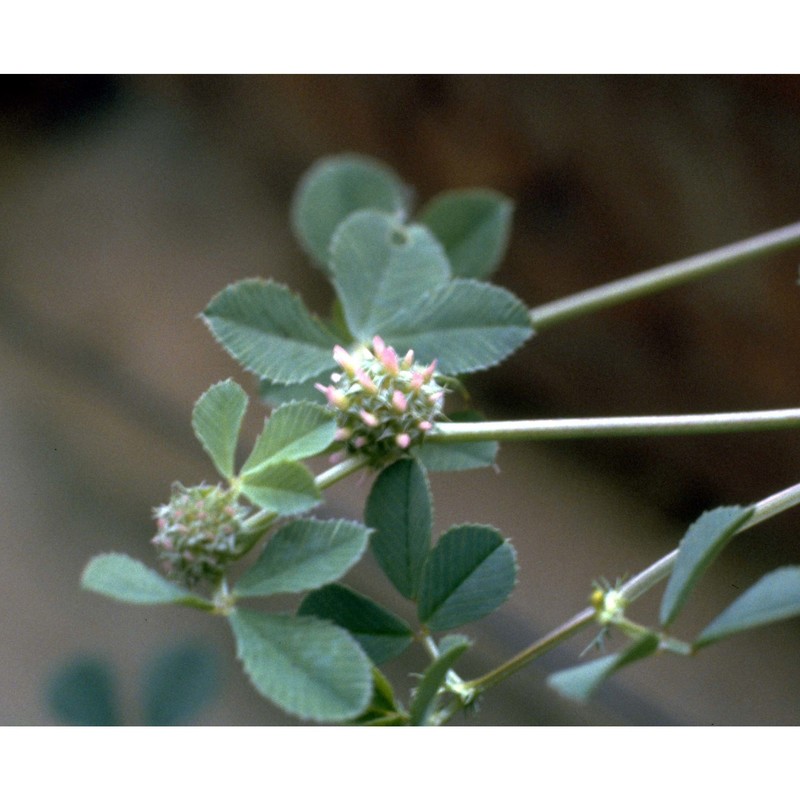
(664, 277)
(631, 590)
(595, 427)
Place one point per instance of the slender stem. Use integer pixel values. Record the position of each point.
(588, 427)
(538, 648)
(631, 590)
(664, 277)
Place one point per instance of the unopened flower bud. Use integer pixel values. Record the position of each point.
(378, 346)
(428, 372)
(403, 441)
(399, 401)
(342, 434)
(345, 360)
(389, 360)
(366, 382)
(369, 419)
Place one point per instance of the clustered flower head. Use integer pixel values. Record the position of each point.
(384, 405)
(199, 531)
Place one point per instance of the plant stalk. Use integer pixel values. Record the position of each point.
(663, 277)
(631, 590)
(588, 427)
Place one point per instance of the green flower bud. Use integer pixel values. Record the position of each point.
(199, 531)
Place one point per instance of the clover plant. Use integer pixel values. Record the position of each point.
(370, 388)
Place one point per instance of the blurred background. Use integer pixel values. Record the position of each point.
(127, 202)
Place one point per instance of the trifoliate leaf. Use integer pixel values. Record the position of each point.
(474, 227)
(83, 692)
(269, 331)
(467, 325)
(579, 683)
(381, 267)
(399, 509)
(469, 573)
(424, 703)
(285, 487)
(333, 189)
(305, 554)
(294, 431)
(307, 666)
(124, 578)
(380, 633)
(773, 598)
(217, 420)
(178, 683)
(702, 543)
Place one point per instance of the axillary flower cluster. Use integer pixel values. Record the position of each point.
(199, 532)
(383, 404)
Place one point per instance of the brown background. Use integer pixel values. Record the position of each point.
(126, 203)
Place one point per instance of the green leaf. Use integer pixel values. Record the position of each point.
(82, 692)
(178, 683)
(381, 267)
(383, 708)
(305, 554)
(293, 432)
(467, 325)
(424, 703)
(399, 509)
(380, 633)
(445, 457)
(332, 190)
(217, 420)
(308, 667)
(469, 573)
(474, 226)
(579, 683)
(774, 597)
(124, 578)
(702, 543)
(285, 487)
(269, 331)
(276, 394)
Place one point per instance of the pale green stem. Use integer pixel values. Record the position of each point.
(589, 427)
(664, 277)
(631, 590)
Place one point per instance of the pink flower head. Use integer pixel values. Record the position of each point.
(403, 440)
(425, 426)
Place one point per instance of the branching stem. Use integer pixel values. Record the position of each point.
(631, 590)
(654, 280)
(596, 427)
